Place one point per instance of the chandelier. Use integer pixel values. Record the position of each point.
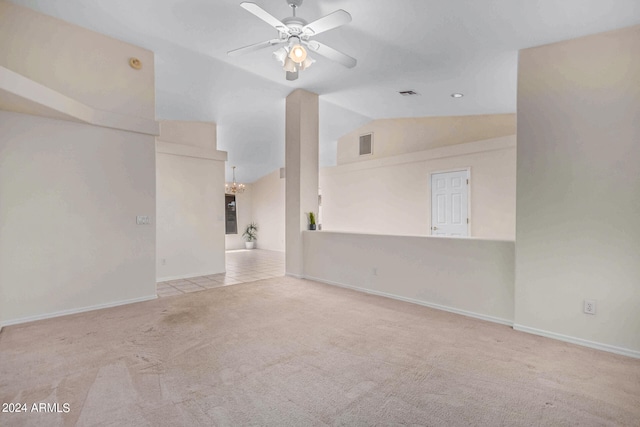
(234, 188)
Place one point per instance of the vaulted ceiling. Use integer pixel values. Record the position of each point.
(433, 47)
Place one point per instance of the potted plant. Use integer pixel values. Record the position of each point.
(312, 220)
(250, 235)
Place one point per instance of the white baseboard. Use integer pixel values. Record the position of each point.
(185, 276)
(579, 341)
(416, 301)
(298, 276)
(75, 310)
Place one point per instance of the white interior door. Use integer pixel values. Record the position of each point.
(449, 204)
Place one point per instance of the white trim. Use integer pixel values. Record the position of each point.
(183, 277)
(416, 301)
(297, 276)
(76, 310)
(460, 169)
(362, 233)
(579, 341)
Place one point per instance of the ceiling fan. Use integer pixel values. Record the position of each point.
(295, 34)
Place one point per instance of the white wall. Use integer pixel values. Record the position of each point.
(245, 217)
(70, 192)
(392, 195)
(578, 234)
(69, 197)
(190, 201)
(267, 210)
(467, 276)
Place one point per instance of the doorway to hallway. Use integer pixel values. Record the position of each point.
(242, 266)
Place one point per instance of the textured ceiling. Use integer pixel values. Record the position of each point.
(433, 47)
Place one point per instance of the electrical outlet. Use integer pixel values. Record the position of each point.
(142, 220)
(163, 261)
(590, 306)
(374, 271)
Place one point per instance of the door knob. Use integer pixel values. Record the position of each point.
(434, 228)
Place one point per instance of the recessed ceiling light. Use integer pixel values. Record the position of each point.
(457, 95)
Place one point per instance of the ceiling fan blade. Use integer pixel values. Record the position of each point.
(254, 47)
(331, 53)
(265, 16)
(326, 23)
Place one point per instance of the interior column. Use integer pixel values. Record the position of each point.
(301, 173)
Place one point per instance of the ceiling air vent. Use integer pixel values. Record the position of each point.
(408, 93)
(366, 144)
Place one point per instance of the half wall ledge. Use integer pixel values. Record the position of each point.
(23, 95)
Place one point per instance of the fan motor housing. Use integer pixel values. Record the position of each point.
(294, 23)
(294, 3)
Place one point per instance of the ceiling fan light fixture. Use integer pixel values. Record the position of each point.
(307, 63)
(298, 53)
(289, 65)
(280, 55)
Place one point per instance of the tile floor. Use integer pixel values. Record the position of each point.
(242, 266)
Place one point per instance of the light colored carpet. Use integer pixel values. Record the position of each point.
(291, 352)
